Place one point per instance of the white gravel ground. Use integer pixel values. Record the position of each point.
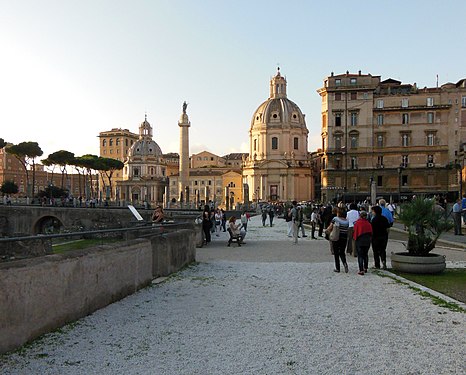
(232, 317)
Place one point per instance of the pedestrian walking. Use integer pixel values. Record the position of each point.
(362, 235)
(352, 216)
(264, 216)
(456, 211)
(380, 228)
(206, 224)
(244, 220)
(320, 220)
(271, 215)
(224, 220)
(301, 221)
(339, 245)
(218, 222)
(313, 223)
(289, 221)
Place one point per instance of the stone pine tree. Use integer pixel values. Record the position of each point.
(26, 153)
(2, 143)
(9, 187)
(107, 167)
(63, 159)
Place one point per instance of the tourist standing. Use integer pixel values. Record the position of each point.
(244, 220)
(362, 235)
(339, 245)
(271, 215)
(380, 227)
(320, 220)
(295, 221)
(301, 220)
(289, 221)
(313, 223)
(224, 220)
(386, 212)
(218, 222)
(352, 216)
(456, 211)
(206, 223)
(463, 208)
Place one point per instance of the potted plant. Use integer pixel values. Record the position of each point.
(425, 222)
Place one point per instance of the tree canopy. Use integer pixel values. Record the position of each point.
(9, 187)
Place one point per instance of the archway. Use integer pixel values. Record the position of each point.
(47, 225)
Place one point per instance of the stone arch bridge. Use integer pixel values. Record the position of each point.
(31, 220)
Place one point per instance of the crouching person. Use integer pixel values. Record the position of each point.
(362, 235)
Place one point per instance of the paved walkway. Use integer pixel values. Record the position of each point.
(266, 308)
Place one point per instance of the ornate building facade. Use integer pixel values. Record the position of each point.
(278, 165)
(144, 172)
(392, 138)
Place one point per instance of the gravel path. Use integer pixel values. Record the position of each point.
(258, 317)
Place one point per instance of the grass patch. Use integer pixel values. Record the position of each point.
(419, 279)
(81, 244)
(451, 282)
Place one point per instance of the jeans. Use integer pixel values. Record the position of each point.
(379, 245)
(339, 251)
(363, 257)
(295, 232)
(457, 222)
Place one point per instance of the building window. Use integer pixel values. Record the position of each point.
(353, 81)
(210, 182)
(274, 143)
(353, 96)
(324, 120)
(354, 163)
(337, 119)
(338, 82)
(379, 181)
(404, 103)
(463, 101)
(136, 172)
(296, 143)
(354, 141)
(338, 96)
(430, 160)
(337, 142)
(195, 183)
(255, 144)
(430, 117)
(105, 152)
(380, 140)
(117, 141)
(379, 119)
(404, 180)
(365, 95)
(430, 102)
(405, 140)
(379, 103)
(110, 142)
(405, 118)
(404, 161)
(430, 139)
(337, 164)
(126, 142)
(354, 118)
(202, 182)
(380, 161)
(324, 163)
(104, 143)
(111, 151)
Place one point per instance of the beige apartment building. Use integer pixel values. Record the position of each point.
(398, 138)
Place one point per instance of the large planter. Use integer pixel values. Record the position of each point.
(431, 263)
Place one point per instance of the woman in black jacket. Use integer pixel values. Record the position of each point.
(206, 223)
(380, 226)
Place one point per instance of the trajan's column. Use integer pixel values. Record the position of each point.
(183, 187)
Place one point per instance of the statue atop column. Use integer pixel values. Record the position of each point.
(185, 105)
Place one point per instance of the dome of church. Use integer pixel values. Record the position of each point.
(278, 110)
(145, 145)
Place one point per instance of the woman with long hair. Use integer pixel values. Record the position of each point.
(339, 245)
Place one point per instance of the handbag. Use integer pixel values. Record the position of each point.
(335, 233)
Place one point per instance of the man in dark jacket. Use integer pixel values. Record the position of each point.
(380, 226)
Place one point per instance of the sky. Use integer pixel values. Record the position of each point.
(71, 69)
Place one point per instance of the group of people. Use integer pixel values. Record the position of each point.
(356, 230)
(214, 221)
(458, 212)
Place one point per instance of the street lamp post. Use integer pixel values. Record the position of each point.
(400, 171)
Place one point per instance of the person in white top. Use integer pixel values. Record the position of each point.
(352, 215)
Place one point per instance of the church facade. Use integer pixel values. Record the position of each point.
(278, 167)
(144, 172)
